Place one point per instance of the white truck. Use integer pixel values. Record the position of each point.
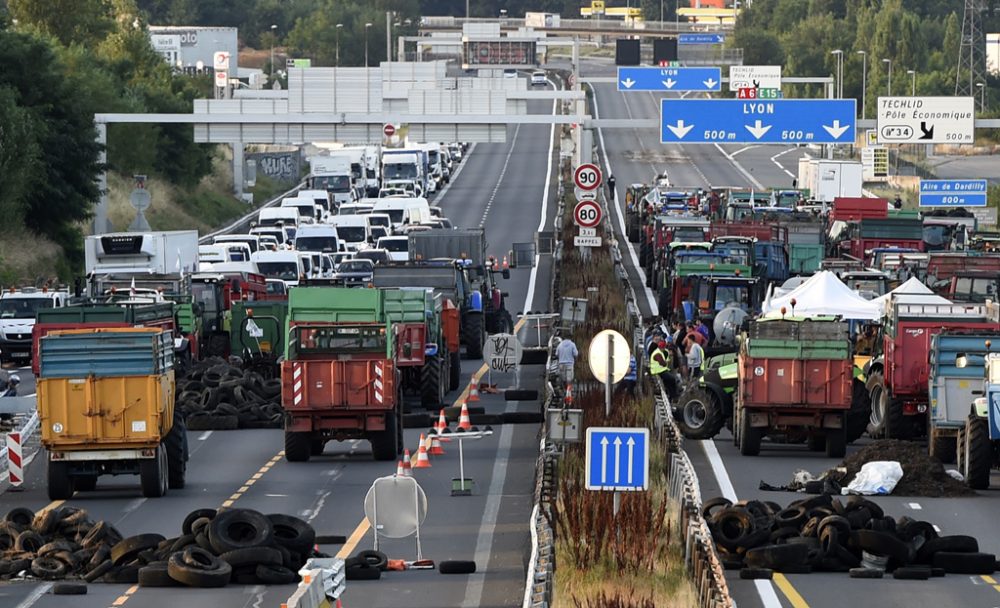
(18, 308)
(333, 173)
(407, 164)
(154, 253)
(830, 179)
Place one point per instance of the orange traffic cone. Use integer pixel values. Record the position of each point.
(436, 449)
(569, 394)
(441, 427)
(505, 266)
(474, 390)
(400, 472)
(423, 461)
(464, 422)
(407, 463)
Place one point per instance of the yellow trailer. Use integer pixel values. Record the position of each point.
(106, 406)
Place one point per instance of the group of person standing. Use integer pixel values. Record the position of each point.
(676, 352)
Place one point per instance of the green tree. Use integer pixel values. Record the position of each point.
(19, 157)
(760, 47)
(60, 191)
(69, 21)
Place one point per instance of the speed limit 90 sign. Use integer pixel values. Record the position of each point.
(587, 177)
(587, 214)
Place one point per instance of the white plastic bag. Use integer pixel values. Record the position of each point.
(879, 477)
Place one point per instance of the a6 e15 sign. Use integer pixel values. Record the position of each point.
(587, 214)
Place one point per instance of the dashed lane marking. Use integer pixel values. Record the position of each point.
(503, 172)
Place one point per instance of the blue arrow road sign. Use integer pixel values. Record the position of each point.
(617, 459)
(773, 121)
(953, 193)
(669, 79)
(701, 38)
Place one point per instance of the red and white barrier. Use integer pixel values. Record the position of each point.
(15, 459)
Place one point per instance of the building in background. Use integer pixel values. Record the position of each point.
(191, 49)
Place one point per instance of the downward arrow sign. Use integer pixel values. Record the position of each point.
(836, 130)
(627, 83)
(669, 83)
(618, 448)
(927, 133)
(680, 129)
(604, 461)
(710, 83)
(758, 130)
(631, 450)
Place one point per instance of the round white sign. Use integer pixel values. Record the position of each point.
(598, 356)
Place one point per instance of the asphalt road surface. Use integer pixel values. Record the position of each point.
(635, 155)
(499, 186)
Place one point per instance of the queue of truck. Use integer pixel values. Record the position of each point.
(354, 331)
(828, 321)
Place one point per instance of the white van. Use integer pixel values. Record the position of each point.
(320, 197)
(306, 207)
(397, 246)
(318, 238)
(356, 208)
(352, 230)
(404, 211)
(289, 266)
(275, 216)
(212, 254)
(252, 240)
(379, 219)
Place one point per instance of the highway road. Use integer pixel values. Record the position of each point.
(504, 188)
(635, 155)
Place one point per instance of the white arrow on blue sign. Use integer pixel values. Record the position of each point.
(669, 79)
(953, 193)
(777, 121)
(701, 38)
(617, 459)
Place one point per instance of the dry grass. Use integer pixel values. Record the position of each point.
(28, 259)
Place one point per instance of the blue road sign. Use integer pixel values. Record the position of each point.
(994, 414)
(953, 193)
(617, 459)
(701, 38)
(772, 121)
(669, 79)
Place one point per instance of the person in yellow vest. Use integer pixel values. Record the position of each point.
(659, 365)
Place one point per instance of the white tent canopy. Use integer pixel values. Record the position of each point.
(911, 292)
(824, 294)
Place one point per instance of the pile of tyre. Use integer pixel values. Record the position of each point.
(823, 533)
(214, 549)
(216, 396)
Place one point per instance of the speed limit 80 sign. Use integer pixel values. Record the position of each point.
(587, 177)
(587, 214)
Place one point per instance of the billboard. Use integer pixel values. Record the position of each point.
(498, 53)
(626, 52)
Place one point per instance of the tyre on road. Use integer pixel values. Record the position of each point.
(385, 444)
(239, 529)
(977, 453)
(153, 474)
(60, 484)
(836, 440)
(177, 453)
(701, 415)
(198, 577)
(298, 446)
(750, 436)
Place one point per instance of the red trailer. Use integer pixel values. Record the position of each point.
(900, 368)
(942, 266)
(851, 209)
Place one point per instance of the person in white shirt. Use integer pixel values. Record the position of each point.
(695, 359)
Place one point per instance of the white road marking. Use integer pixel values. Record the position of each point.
(484, 543)
(739, 167)
(276, 495)
(650, 298)
(765, 589)
(976, 580)
(35, 595)
(465, 159)
(132, 506)
(743, 149)
(311, 514)
(204, 435)
(774, 159)
(936, 528)
(529, 298)
(914, 505)
(503, 172)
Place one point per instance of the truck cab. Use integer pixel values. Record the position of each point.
(18, 310)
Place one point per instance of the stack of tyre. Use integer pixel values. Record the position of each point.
(214, 395)
(822, 533)
(215, 548)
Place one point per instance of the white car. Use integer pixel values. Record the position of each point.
(538, 77)
(509, 73)
(397, 246)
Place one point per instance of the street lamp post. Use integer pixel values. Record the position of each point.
(982, 96)
(273, 36)
(888, 85)
(913, 82)
(340, 26)
(368, 26)
(864, 81)
(839, 89)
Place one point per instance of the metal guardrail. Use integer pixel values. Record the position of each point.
(700, 557)
(249, 217)
(598, 25)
